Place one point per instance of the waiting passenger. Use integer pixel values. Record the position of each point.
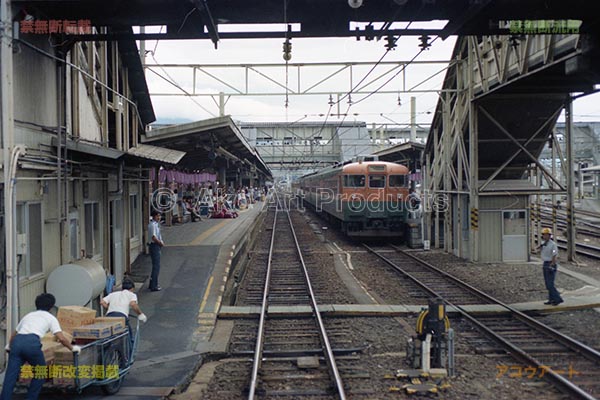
(413, 203)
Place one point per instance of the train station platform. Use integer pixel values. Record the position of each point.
(195, 266)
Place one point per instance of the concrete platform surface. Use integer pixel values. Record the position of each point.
(571, 303)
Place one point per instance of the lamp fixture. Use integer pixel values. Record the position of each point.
(355, 3)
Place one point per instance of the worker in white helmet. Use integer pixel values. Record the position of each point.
(549, 253)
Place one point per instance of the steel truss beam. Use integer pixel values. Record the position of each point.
(253, 74)
(494, 63)
(521, 149)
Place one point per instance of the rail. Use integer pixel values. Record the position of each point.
(258, 354)
(569, 343)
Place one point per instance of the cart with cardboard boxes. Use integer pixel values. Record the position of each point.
(107, 352)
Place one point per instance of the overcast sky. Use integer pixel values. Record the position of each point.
(378, 108)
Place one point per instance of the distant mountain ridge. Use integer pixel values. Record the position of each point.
(171, 121)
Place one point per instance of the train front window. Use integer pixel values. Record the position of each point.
(397, 181)
(354, 181)
(377, 181)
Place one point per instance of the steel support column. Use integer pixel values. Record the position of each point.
(473, 157)
(426, 198)
(7, 127)
(447, 158)
(552, 183)
(436, 172)
(570, 179)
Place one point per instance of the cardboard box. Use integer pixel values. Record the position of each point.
(71, 317)
(68, 335)
(117, 324)
(62, 355)
(49, 348)
(49, 337)
(65, 372)
(93, 331)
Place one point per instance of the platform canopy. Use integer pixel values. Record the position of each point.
(208, 142)
(408, 153)
(401, 153)
(308, 18)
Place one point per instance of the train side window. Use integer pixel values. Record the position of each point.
(377, 181)
(354, 181)
(398, 181)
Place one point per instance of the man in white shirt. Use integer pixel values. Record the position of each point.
(549, 254)
(156, 243)
(119, 303)
(25, 345)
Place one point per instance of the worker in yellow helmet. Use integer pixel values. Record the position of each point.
(549, 254)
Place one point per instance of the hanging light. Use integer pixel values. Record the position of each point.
(287, 50)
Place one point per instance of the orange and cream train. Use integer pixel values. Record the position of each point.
(365, 198)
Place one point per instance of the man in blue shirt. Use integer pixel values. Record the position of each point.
(155, 245)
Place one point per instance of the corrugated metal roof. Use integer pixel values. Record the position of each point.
(93, 149)
(402, 147)
(155, 153)
(201, 138)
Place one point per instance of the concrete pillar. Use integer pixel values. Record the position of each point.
(221, 104)
(222, 175)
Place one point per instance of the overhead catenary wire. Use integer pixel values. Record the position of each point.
(348, 94)
(171, 81)
(376, 90)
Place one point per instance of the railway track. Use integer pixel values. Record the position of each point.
(581, 248)
(286, 283)
(584, 226)
(571, 365)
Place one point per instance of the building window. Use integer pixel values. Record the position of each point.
(93, 231)
(29, 239)
(134, 216)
